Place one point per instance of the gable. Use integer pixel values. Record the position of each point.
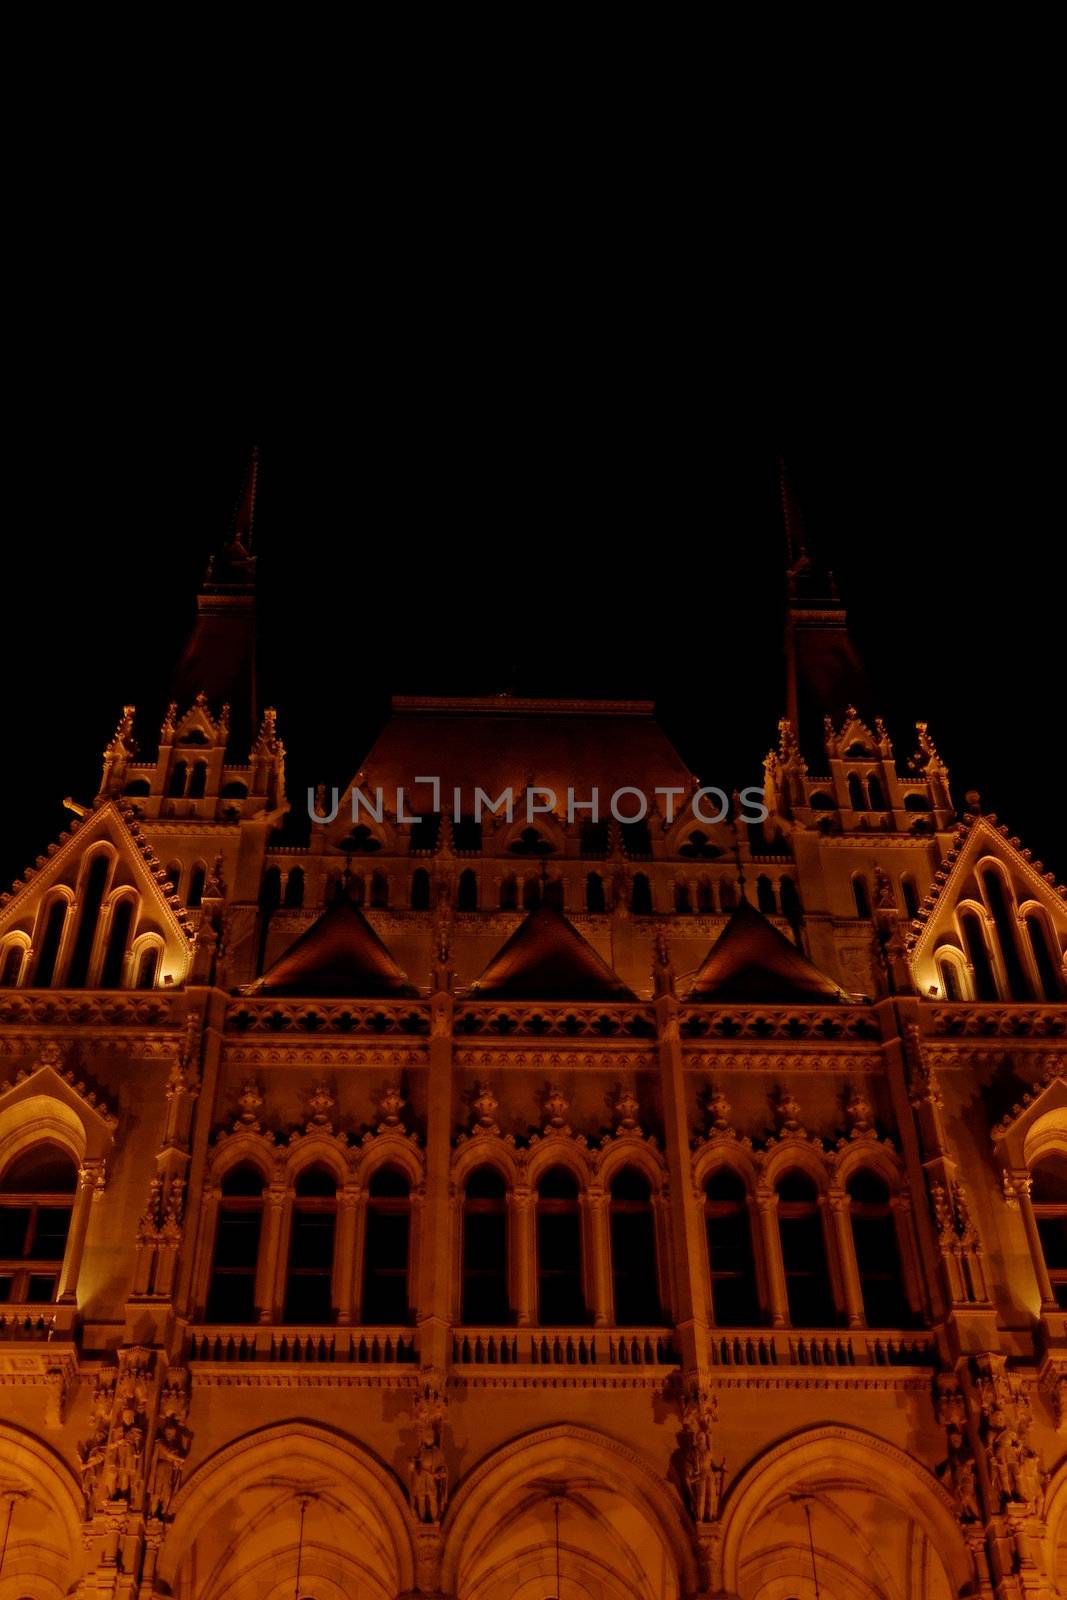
(546, 958)
(339, 955)
(751, 961)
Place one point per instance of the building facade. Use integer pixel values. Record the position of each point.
(666, 1205)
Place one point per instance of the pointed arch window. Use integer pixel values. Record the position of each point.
(1041, 947)
(765, 898)
(856, 797)
(874, 1236)
(36, 1200)
(790, 901)
(641, 895)
(147, 968)
(178, 774)
(379, 891)
(735, 1303)
(861, 894)
(1006, 923)
(485, 1250)
(385, 1255)
(232, 1293)
(55, 919)
(910, 894)
(11, 967)
(174, 874)
(1048, 1196)
(531, 894)
(874, 792)
(509, 895)
(118, 938)
(467, 890)
(974, 938)
(560, 1295)
(420, 890)
(807, 1275)
(197, 879)
(198, 780)
(633, 1251)
(949, 974)
(308, 1292)
(705, 896)
(594, 893)
(91, 896)
(294, 888)
(682, 903)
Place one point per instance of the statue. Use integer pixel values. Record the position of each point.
(427, 1468)
(703, 1474)
(172, 1447)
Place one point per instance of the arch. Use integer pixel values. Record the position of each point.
(42, 1118)
(13, 959)
(1044, 949)
(51, 1485)
(562, 1261)
(909, 894)
(972, 921)
(1000, 898)
(297, 1452)
(792, 910)
(197, 781)
(874, 792)
(634, 1256)
(420, 889)
(174, 873)
(836, 1453)
(876, 1247)
(386, 1298)
(467, 890)
(567, 1452)
(857, 797)
(594, 893)
(120, 919)
(235, 1250)
(805, 1247)
(731, 1247)
(766, 899)
(509, 893)
(493, 1152)
(178, 773)
(312, 1254)
(484, 1260)
(952, 971)
(641, 895)
(379, 891)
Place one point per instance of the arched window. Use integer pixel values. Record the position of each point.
(36, 1199)
(874, 792)
(294, 888)
(916, 802)
(485, 1250)
(234, 790)
(594, 893)
(861, 894)
(467, 890)
(636, 839)
(949, 974)
(560, 1295)
(379, 890)
(198, 780)
(178, 773)
(765, 895)
(733, 1273)
(681, 898)
(420, 890)
(137, 787)
(117, 940)
(1049, 1198)
(56, 916)
(232, 1294)
(910, 894)
(856, 797)
(12, 966)
(807, 1277)
(790, 901)
(197, 879)
(552, 891)
(821, 801)
(705, 896)
(874, 1235)
(91, 894)
(594, 839)
(531, 894)
(308, 1290)
(641, 895)
(147, 968)
(728, 894)
(633, 1251)
(974, 938)
(174, 874)
(1004, 918)
(509, 895)
(385, 1253)
(1042, 947)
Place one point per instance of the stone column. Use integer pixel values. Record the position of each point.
(90, 1184)
(272, 1267)
(524, 1288)
(597, 1206)
(1023, 1185)
(435, 1270)
(692, 1289)
(345, 1256)
(845, 1245)
(770, 1238)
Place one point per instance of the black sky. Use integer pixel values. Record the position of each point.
(616, 544)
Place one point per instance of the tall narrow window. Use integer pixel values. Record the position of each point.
(90, 895)
(950, 978)
(485, 1250)
(509, 895)
(12, 966)
(294, 887)
(911, 895)
(561, 1298)
(117, 940)
(232, 1294)
(1049, 1198)
(174, 873)
(705, 896)
(308, 1293)
(874, 792)
(811, 1302)
(641, 896)
(681, 898)
(735, 1303)
(147, 968)
(50, 943)
(1040, 944)
(1004, 918)
(790, 901)
(385, 1256)
(874, 1235)
(467, 890)
(728, 894)
(379, 890)
(531, 894)
(36, 1200)
(594, 893)
(861, 894)
(420, 890)
(765, 895)
(856, 797)
(198, 780)
(197, 879)
(974, 938)
(633, 1251)
(178, 773)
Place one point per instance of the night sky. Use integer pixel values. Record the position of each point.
(635, 550)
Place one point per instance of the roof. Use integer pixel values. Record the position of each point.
(340, 954)
(503, 742)
(546, 958)
(752, 961)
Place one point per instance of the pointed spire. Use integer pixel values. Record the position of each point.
(546, 958)
(339, 955)
(752, 962)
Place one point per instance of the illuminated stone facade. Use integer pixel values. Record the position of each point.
(679, 1210)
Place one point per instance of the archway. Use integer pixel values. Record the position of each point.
(850, 1509)
(622, 1530)
(40, 1520)
(288, 1498)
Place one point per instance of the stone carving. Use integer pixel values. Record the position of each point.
(787, 1116)
(1016, 1473)
(249, 1105)
(485, 1106)
(390, 1104)
(626, 1107)
(427, 1469)
(321, 1106)
(556, 1105)
(860, 1114)
(703, 1474)
(173, 1439)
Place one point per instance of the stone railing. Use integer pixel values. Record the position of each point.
(306, 1346)
(37, 1323)
(795, 1347)
(563, 1347)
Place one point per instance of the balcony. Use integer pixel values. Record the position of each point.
(796, 1347)
(301, 1346)
(38, 1343)
(565, 1348)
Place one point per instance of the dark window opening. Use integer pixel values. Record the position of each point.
(53, 935)
(861, 894)
(594, 893)
(984, 982)
(633, 1252)
(36, 1201)
(9, 975)
(485, 1250)
(874, 792)
(856, 797)
(117, 940)
(232, 1292)
(811, 1301)
(735, 1303)
(765, 897)
(308, 1291)
(197, 878)
(874, 1235)
(1049, 1199)
(636, 838)
(561, 1298)
(911, 896)
(294, 888)
(178, 773)
(1019, 986)
(641, 896)
(420, 890)
(385, 1257)
(594, 839)
(198, 781)
(92, 893)
(467, 891)
(1043, 957)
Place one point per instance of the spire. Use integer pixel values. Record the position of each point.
(824, 674)
(219, 658)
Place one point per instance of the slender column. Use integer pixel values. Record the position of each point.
(271, 1271)
(767, 1205)
(345, 1257)
(1022, 1184)
(522, 1204)
(597, 1204)
(691, 1287)
(845, 1246)
(435, 1276)
(90, 1183)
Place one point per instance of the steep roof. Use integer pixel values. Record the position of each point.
(340, 954)
(546, 958)
(752, 961)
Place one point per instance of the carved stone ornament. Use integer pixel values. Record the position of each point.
(427, 1469)
(702, 1473)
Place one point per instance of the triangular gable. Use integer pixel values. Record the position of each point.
(546, 958)
(339, 955)
(137, 866)
(1042, 1109)
(956, 881)
(751, 961)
